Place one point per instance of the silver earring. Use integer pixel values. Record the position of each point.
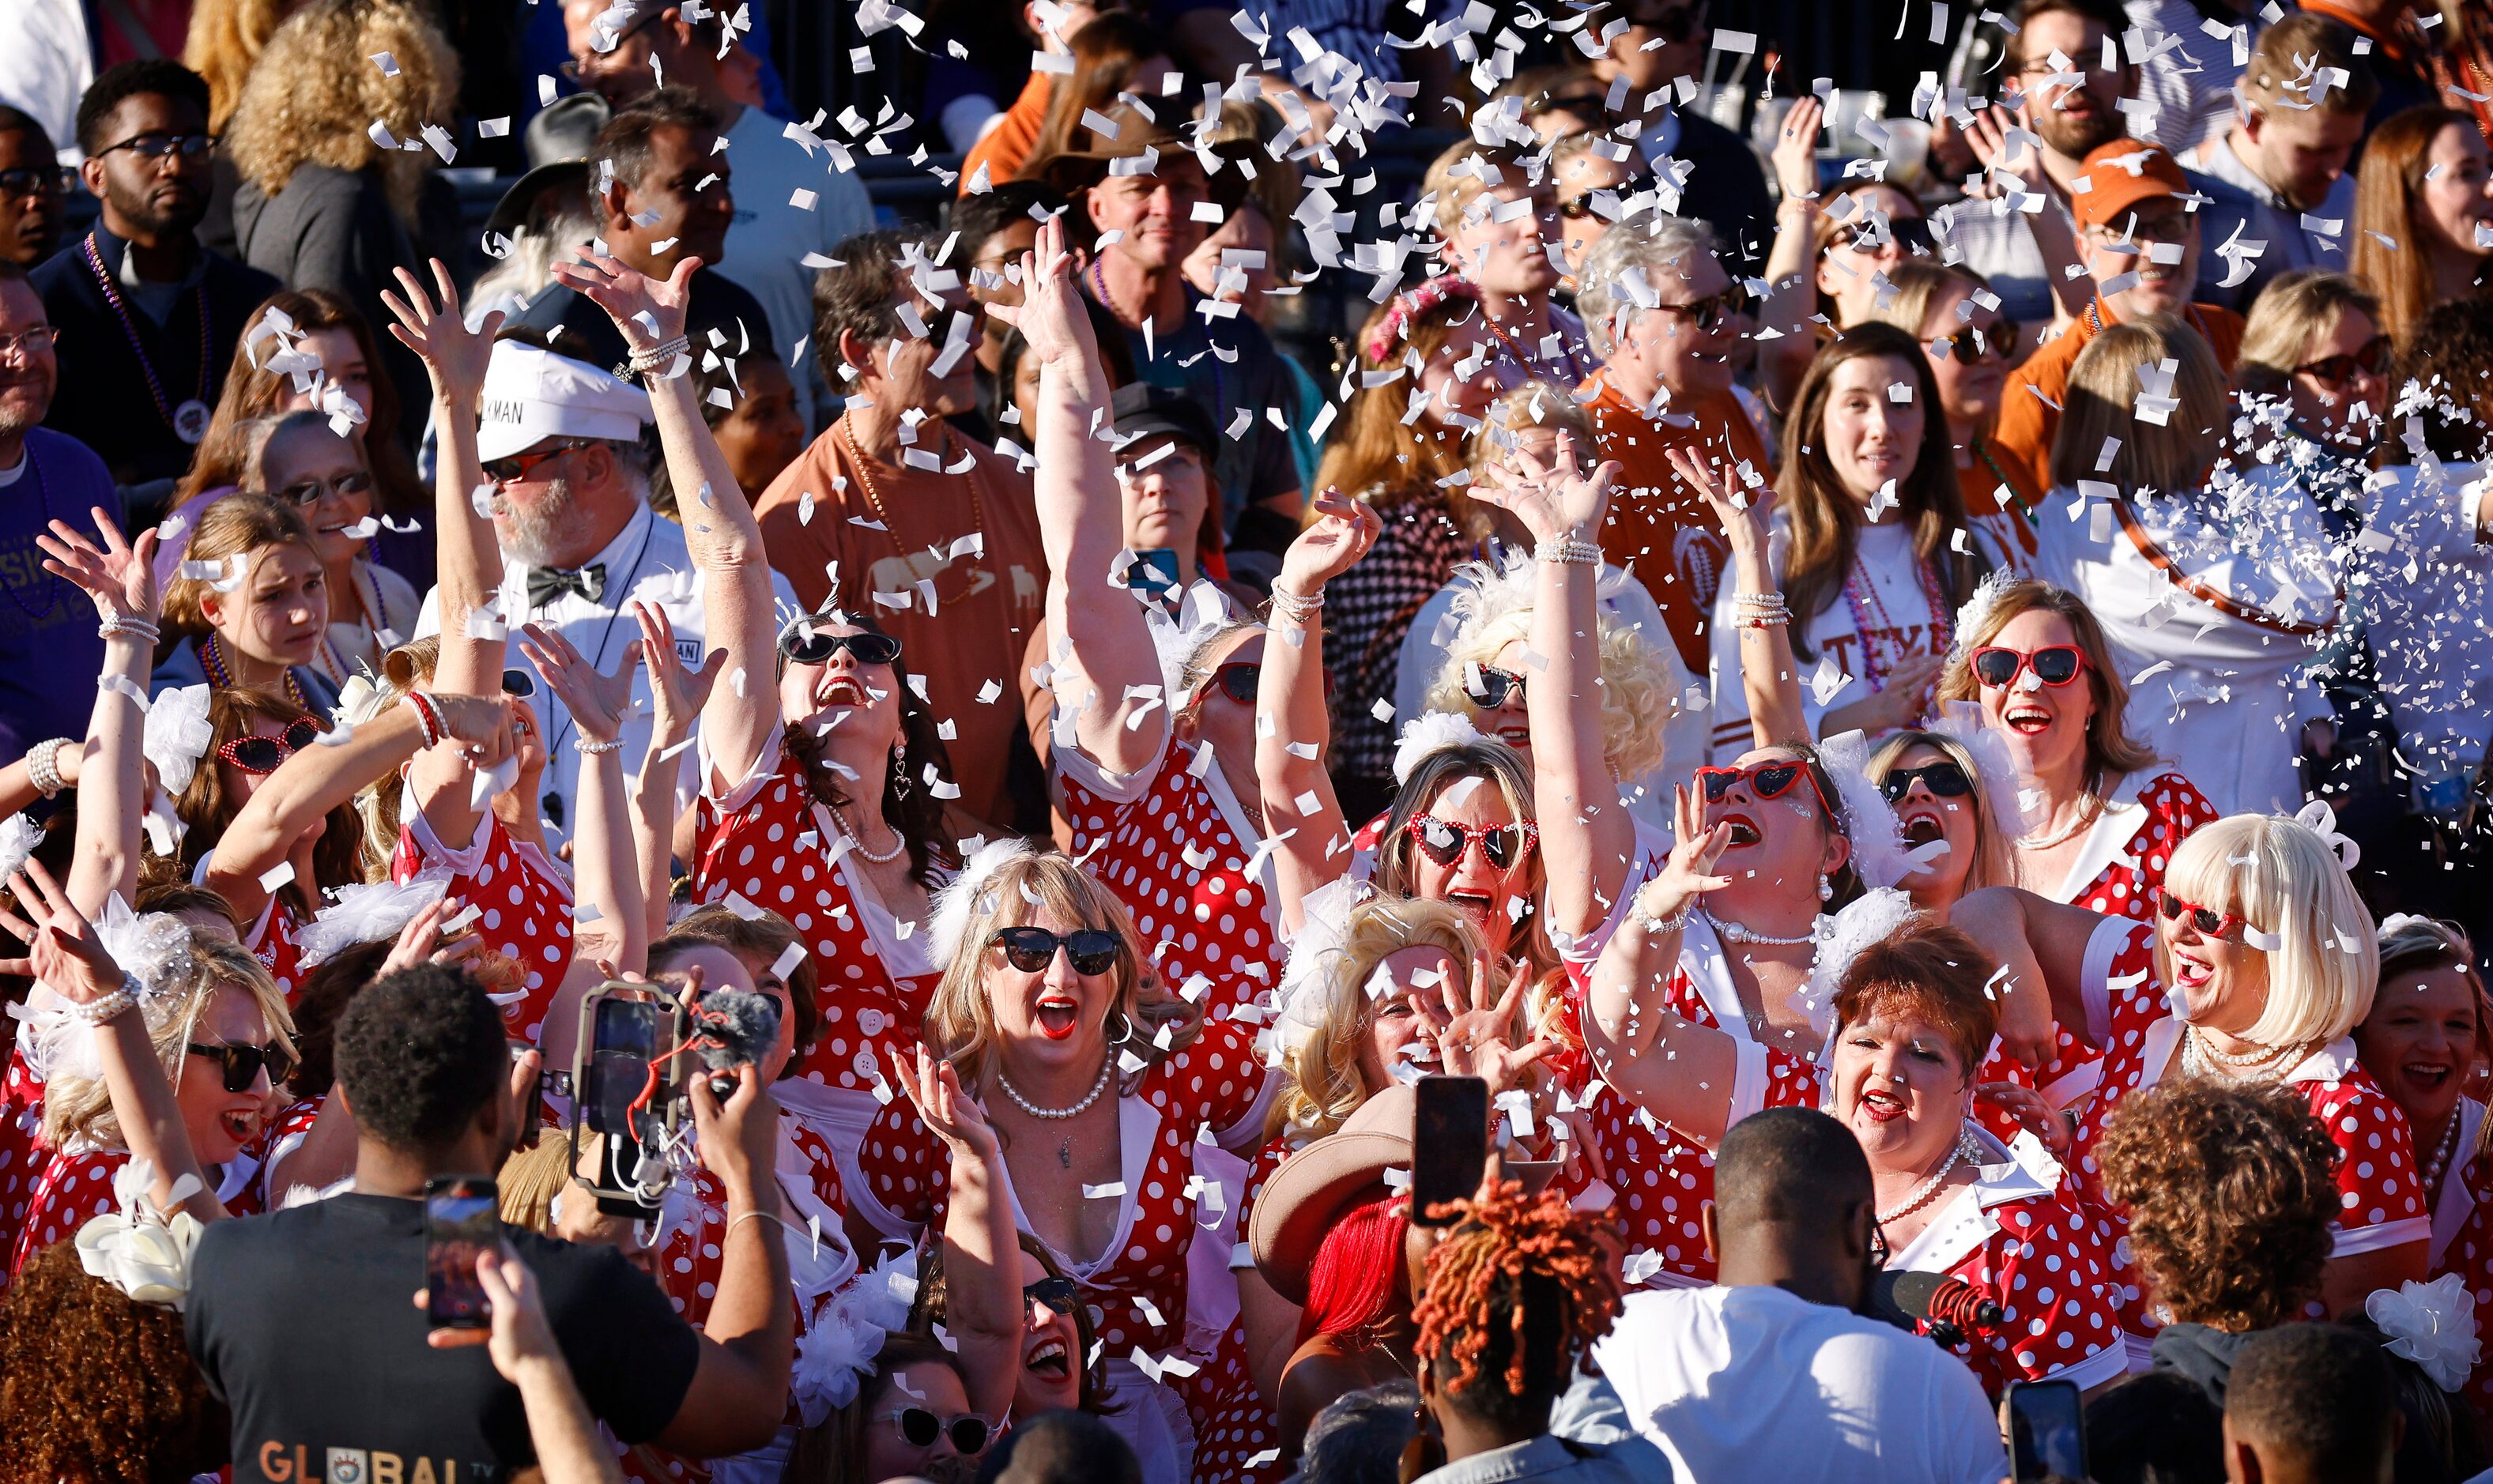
(1120, 1037)
(1826, 888)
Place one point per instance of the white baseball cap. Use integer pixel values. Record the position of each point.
(533, 395)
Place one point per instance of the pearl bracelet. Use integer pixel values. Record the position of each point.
(1654, 925)
(656, 358)
(94, 1012)
(583, 743)
(43, 766)
(1295, 608)
(1567, 548)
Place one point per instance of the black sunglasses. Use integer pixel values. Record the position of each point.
(572, 68)
(1943, 778)
(155, 146)
(1713, 312)
(1091, 950)
(37, 179)
(308, 492)
(263, 755)
(1059, 1295)
(1974, 343)
(242, 1063)
(2334, 372)
(919, 1427)
(1906, 232)
(812, 646)
(1487, 687)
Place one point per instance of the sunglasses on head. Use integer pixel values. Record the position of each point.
(919, 1427)
(812, 646)
(1444, 842)
(1091, 950)
(1057, 1295)
(519, 466)
(1712, 312)
(242, 1063)
(1945, 779)
(1487, 687)
(2054, 664)
(2335, 372)
(263, 755)
(1974, 343)
(2209, 922)
(1765, 779)
(308, 492)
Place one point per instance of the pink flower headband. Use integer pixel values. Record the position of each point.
(1419, 299)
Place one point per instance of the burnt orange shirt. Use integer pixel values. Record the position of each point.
(985, 603)
(1658, 527)
(1006, 148)
(2022, 442)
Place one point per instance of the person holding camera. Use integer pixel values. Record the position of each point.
(301, 1320)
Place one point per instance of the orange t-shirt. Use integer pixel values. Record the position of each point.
(1659, 527)
(1006, 148)
(2022, 441)
(985, 603)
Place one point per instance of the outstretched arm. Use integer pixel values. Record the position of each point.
(1675, 1069)
(1791, 272)
(1767, 678)
(605, 870)
(982, 1298)
(676, 696)
(1291, 724)
(112, 776)
(719, 525)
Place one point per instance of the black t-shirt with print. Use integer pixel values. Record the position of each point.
(303, 1323)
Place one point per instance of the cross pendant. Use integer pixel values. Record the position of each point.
(1064, 1154)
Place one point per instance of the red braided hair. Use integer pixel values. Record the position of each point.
(1506, 1255)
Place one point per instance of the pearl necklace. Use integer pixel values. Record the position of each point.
(2200, 1058)
(1921, 1194)
(885, 858)
(2439, 1164)
(1037, 1112)
(1741, 933)
(2090, 809)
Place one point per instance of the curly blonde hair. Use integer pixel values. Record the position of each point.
(315, 94)
(1640, 680)
(80, 1107)
(1325, 1085)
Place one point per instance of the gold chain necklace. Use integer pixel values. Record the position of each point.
(883, 516)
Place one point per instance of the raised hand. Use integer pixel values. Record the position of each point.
(1554, 500)
(1050, 316)
(934, 1090)
(677, 692)
(598, 703)
(420, 941)
(2033, 1112)
(1795, 153)
(1689, 873)
(1988, 137)
(1343, 531)
(63, 948)
(650, 312)
(120, 576)
(1743, 519)
(1478, 1037)
(455, 356)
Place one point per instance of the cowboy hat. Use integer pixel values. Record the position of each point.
(1302, 1199)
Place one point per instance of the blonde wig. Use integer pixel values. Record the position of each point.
(2103, 393)
(2111, 751)
(80, 1107)
(314, 95)
(1502, 768)
(1639, 681)
(1325, 1086)
(961, 1019)
(2283, 880)
(1993, 864)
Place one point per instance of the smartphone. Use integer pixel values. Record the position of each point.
(624, 1040)
(461, 1219)
(1449, 1143)
(2047, 1432)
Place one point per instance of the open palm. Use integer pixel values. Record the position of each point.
(120, 576)
(455, 355)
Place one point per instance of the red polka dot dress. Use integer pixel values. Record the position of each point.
(2462, 1235)
(2131, 845)
(2015, 1239)
(271, 940)
(73, 1190)
(23, 1154)
(276, 1142)
(1216, 1082)
(1177, 849)
(768, 841)
(524, 902)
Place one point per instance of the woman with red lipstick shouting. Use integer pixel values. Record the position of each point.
(1914, 1019)
(2257, 966)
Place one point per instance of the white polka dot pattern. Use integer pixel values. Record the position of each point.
(524, 913)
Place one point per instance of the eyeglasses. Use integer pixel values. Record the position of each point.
(262, 754)
(1089, 950)
(37, 179)
(579, 68)
(1974, 343)
(1905, 232)
(242, 1063)
(2054, 664)
(812, 646)
(1765, 779)
(28, 342)
(1487, 687)
(309, 492)
(2209, 922)
(1713, 311)
(919, 1427)
(2166, 227)
(1943, 778)
(2334, 372)
(1057, 1295)
(519, 466)
(1445, 841)
(155, 146)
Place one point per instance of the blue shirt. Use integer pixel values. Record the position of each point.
(50, 652)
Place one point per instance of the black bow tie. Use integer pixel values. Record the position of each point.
(548, 584)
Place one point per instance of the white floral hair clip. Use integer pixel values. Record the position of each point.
(2432, 1325)
(139, 1249)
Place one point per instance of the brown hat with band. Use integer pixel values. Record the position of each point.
(1135, 135)
(1305, 1198)
(2122, 176)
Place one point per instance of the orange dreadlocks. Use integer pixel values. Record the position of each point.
(1505, 1250)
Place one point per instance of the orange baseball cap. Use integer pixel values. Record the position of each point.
(2124, 174)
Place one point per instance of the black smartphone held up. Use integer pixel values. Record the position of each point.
(461, 1219)
(624, 1040)
(2047, 1432)
(1449, 1143)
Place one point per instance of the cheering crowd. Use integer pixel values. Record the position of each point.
(1906, 698)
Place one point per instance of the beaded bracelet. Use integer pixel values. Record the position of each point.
(1296, 608)
(135, 628)
(583, 743)
(1567, 548)
(426, 717)
(656, 358)
(43, 766)
(94, 1012)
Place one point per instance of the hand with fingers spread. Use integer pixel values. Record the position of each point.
(119, 575)
(1050, 316)
(598, 703)
(1555, 501)
(650, 312)
(1744, 517)
(2032, 1111)
(63, 948)
(454, 355)
(1342, 533)
(677, 692)
(1477, 1038)
(1795, 154)
(1988, 136)
(420, 941)
(934, 1090)
(1689, 873)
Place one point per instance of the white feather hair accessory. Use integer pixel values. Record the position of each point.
(1873, 916)
(141, 1249)
(958, 897)
(2432, 1325)
(361, 699)
(1878, 853)
(1204, 612)
(1431, 732)
(835, 1356)
(176, 735)
(1976, 610)
(1306, 975)
(1963, 720)
(153, 948)
(369, 915)
(19, 834)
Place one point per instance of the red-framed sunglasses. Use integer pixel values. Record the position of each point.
(1445, 841)
(2209, 922)
(1765, 780)
(2054, 664)
(264, 754)
(1238, 679)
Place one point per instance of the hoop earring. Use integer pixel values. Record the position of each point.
(1125, 1035)
(1426, 1451)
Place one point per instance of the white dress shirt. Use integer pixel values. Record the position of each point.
(767, 246)
(647, 561)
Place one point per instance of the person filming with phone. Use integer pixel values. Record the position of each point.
(401, 1388)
